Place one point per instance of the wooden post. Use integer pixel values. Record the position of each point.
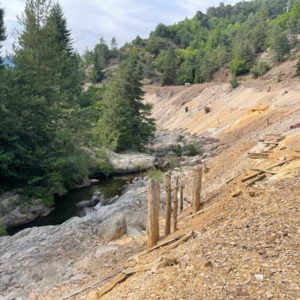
(168, 204)
(181, 196)
(153, 213)
(197, 189)
(175, 211)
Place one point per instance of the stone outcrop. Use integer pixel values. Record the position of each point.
(37, 259)
(131, 162)
(14, 211)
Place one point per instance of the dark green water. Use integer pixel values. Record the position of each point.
(65, 206)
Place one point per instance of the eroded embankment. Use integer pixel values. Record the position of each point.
(247, 238)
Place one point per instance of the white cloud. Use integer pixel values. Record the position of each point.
(123, 19)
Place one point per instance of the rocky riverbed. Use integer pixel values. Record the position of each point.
(37, 259)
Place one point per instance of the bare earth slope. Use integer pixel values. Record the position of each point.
(246, 241)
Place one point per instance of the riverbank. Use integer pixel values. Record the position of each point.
(15, 211)
(39, 258)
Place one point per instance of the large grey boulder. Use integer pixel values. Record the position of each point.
(113, 228)
(15, 211)
(131, 162)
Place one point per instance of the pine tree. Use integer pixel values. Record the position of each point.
(169, 74)
(41, 148)
(34, 55)
(125, 122)
(2, 32)
(279, 43)
(98, 67)
(101, 56)
(67, 61)
(114, 48)
(62, 32)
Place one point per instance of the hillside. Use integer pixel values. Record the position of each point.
(246, 240)
(85, 139)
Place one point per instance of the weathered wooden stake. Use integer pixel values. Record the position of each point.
(175, 210)
(168, 204)
(181, 196)
(197, 189)
(153, 213)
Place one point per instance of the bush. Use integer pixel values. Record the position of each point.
(190, 150)
(260, 69)
(234, 82)
(239, 67)
(155, 174)
(2, 230)
(177, 149)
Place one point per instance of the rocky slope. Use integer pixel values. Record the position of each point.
(246, 244)
(246, 241)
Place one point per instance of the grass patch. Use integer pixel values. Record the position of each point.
(155, 174)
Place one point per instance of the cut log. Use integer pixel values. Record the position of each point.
(180, 241)
(250, 177)
(231, 179)
(165, 243)
(271, 143)
(111, 284)
(142, 268)
(264, 171)
(260, 178)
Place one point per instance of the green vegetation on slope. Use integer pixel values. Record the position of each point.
(230, 36)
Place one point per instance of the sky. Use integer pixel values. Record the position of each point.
(89, 20)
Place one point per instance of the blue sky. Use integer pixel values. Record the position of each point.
(124, 19)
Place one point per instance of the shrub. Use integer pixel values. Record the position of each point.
(260, 69)
(190, 150)
(234, 82)
(177, 149)
(239, 67)
(155, 174)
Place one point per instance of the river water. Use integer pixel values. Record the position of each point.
(65, 206)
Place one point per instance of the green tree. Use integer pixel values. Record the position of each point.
(2, 32)
(101, 56)
(125, 122)
(279, 43)
(38, 109)
(114, 52)
(98, 67)
(169, 67)
(239, 67)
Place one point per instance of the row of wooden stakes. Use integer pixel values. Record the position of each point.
(171, 210)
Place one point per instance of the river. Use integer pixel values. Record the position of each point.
(65, 206)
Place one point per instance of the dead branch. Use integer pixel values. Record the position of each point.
(260, 178)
